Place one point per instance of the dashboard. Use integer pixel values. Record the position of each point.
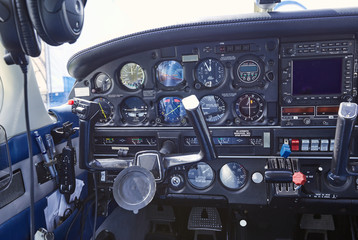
(257, 92)
(236, 82)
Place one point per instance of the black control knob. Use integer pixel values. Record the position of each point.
(176, 181)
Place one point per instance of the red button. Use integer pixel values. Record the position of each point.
(70, 102)
(295, 145)
(299, 178)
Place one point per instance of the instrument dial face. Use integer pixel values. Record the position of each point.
(249, 107)
(170, 73)
(134, 110)
(200, 175)
(233, 176)
(132, 76)
(213, 108)
(210, 72)
(248, 71)
(102, 82)
(171, 110)
(106, 108)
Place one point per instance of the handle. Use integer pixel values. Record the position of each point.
(197, 120)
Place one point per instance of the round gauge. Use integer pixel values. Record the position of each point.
(171, 110)
(170, 73)
(102, 82)
(249, 107)
(210, 72)
(213, 108)
(233, 176)
(200, 175)
(134, 110)
(132, 76)
(107, 109)
(248, 71)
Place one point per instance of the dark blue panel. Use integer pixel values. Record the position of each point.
(18, 227)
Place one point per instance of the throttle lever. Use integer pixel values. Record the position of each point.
(285, 176)
(339, 172)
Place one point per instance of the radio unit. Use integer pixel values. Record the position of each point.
(315, 78)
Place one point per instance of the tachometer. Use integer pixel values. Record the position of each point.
(249, 107)
(132, 76)
(107, 110)
(210, 72)
(233, 176)
(171, 110)
(213, 108)
(170, 73)
(102, 82)
(200, 175)
(134, 110)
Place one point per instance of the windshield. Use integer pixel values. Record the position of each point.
(108, 19)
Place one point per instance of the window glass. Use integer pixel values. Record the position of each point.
(108, 19)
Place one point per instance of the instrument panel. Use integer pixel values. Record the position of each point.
(236, 83)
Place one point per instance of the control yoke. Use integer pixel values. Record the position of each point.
(135, 186)
(339, 172)
(89, 112)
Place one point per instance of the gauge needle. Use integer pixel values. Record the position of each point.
(207, 67)
(172, 110)
(102, 111)
(249, 107)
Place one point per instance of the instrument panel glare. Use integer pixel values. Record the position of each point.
(170, 73)
(171, 110)
(132, 76)
(103, 82)
(233, 176)
(200, 175)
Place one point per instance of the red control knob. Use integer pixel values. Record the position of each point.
(70, 102)
(299, 178)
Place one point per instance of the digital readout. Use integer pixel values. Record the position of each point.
(242, 141)
(248, 68)
(327, 110)
(294, 111)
